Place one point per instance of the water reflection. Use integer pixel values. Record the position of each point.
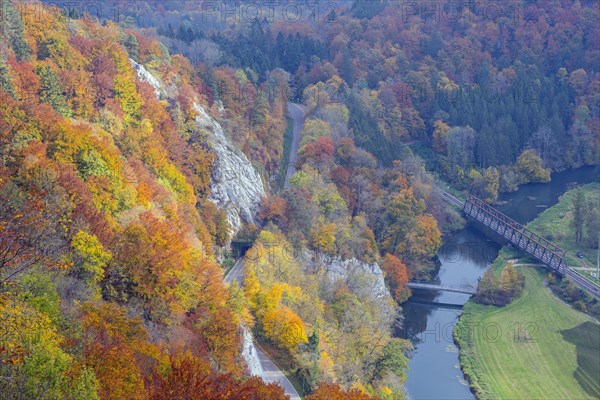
(434, 371)
(463, 259)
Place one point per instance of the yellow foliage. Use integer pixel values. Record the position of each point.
(326, 367)
(273, 296)
(94, 257)
(30, 340)
(285, 328)
(271, 259)
(323, 238)
(251, 288)
(125, 89)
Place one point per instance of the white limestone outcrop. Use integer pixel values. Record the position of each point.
(250, 354)
(145, 76)
(366, 280)
(235, 185)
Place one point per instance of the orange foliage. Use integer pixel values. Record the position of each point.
(320, 152)
(25, 81)
(285, 328)
(104, 71)
(134, 172)
(191, 378)
(273, 208)
(396, 274)
(217, 334)
(116, 348)
(330, 391)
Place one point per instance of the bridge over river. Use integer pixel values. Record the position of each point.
(433, 286)
(522, 238)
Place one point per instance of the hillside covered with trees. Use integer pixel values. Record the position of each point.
(110, 278)
(112, 251)
(492, 95)
(109, 282)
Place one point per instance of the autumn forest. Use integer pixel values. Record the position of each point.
(144, 154)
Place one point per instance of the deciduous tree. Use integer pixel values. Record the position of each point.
(396, 275)
(331, 391)
(285, 328)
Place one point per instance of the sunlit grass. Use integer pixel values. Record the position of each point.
(544, 348)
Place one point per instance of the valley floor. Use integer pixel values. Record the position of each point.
(538, 347)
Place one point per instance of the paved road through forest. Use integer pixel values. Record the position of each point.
(297, 113)
(271, 372)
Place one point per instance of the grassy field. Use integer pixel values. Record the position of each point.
(537, 347)
(555, 225)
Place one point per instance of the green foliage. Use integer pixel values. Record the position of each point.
(461, 146)
(367, 133)
(132, 47)
(529, 167)
(51, 90)
(222, 234)
(12, 27)
(503, 291)
(91, 256)
(486, 187)
(300, 180)
(393, 359)
(91, 163)
(571, 294)
(259, 51)
(260, 109)
(5, 79)
(40, 292)
(578, 214)
(125, 173)
(32, 359)
(492, 365)
(330, 202)
(557, 224)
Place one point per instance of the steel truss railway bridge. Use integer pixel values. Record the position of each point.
(522, 238)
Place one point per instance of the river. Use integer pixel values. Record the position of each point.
(429, 317)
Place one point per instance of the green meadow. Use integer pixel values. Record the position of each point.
(537, 347)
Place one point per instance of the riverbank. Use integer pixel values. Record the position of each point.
(538, 346)
(555, 224)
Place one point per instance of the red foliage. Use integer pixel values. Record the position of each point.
(341, 176)
(25, 230)
(26, 82)
(191, 378)
(115, 348)
(273, 208)
(104, 71)
(320, 151)
(82, 44)
(147, 186)
(217, 334)
(84, 211)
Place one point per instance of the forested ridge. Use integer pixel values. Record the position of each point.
(112, 253)
(109, 283)
(110, 278)
(522, 75)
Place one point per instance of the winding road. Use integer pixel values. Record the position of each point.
(297, 113)
(272, 374)
(236, 273)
